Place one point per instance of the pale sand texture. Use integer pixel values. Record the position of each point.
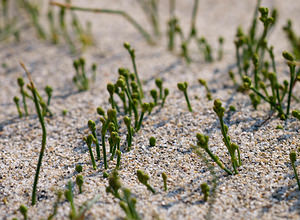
(265, 188)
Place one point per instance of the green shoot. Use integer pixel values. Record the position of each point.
(145, 107)
(132, 55)
(16, 100)
(183, 87)
(23, 93)
(152, 141)
(79, 182)
(143, 179)
(154, 95)
(166, 93)
(220, 50)
(118, 159)
(231, 147)
(48, 90)
(159, 84)
(205, 191)
(293, 160)
(202, 141)
(208, 93)
(164, 177)
(92, 127)
(23, 209)
(44, 135)
(78, 168)
(127, 202)
(127, 122)
(296, 114)
(70, 197)
(55, 206)
(290, 60)
(80, 79)
(125, 15)
(89, 141)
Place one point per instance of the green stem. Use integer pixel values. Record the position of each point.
(104, 151)
(188, 101)
(130, 19)
(24, 101)
(292, 73)
(218, 162)
(92, 157)
(44, 136)
(296, 174)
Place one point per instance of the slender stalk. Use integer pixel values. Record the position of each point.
(44, 135)
(292, 76)
(130, 19)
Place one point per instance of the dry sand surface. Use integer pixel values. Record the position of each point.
(265, 187)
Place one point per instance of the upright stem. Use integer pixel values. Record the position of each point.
(292, 73)
(142, 31)
(44, 135)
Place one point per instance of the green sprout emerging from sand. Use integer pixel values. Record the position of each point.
(127, 202)
(183, 88)
(293, 158)
(143, 179)
(44, 135)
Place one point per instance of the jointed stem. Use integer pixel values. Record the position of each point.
(41, 119)
(130, 19)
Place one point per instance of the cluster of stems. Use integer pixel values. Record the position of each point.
(78, 213)
(44, 105)
(121, 13)
(81, 80)
(293, 38)
(183, 88)
(127, 202)
(231, 147)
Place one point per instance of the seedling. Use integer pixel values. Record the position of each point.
(80, 79)
(55, 206)
(232, 108)
(79, 182)
(185, 52)
(132, 55)
(143, 179)
(205, 48)
(92, 127)
(164, 177)
(16, 100)
(127, 122)
(118, 159)
(231, 147)
(205, 191)
(127, 202)
(220, 50)
(78, 214)
(159, 84)
(105, 175)
(48, 90)
(296, 114)
(154, 95)
(208, 93)
(293, 158)
(152, 141)
(89, 140)
(145, 107)
(23, 209)
(44, 133)
(78, 168)
(183, 87)
(202, 141)
(123, 14)
(23, 93)
(111, 90)
(166, 93)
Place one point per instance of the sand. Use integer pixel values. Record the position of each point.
(265, 187)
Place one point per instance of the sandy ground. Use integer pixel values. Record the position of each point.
(265, 187)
